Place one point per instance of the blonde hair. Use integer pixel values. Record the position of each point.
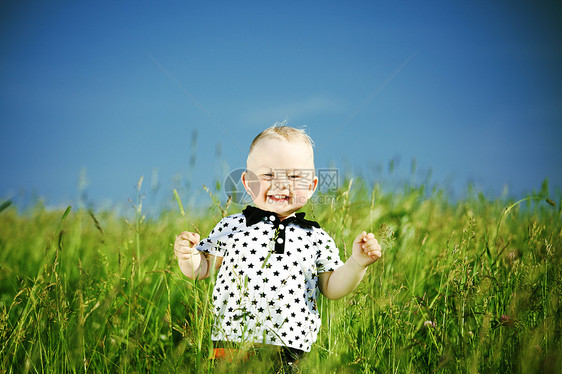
(282, 131)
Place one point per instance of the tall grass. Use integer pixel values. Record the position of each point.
(467, 286)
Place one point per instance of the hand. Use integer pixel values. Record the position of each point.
(184, 247)
(366, 249)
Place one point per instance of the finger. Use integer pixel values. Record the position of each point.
(195, 237)
(184, 256)
(371, 248)
(182, 235)
(184, 246)
(368, 237)
(360, 237)
(375, 254)
(371, 243)
(192, 237)
(185, 252)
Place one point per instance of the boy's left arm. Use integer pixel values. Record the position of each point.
(340, 282)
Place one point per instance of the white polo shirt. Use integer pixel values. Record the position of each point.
(266, 287)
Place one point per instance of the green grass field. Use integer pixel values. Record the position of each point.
(473, 286)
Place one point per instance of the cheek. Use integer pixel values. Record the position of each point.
(302, 189)
(253, 186)
(259, 187)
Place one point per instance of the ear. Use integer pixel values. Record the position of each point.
(246, 182)
(313, 185)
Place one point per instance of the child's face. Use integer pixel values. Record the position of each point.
(280, 175)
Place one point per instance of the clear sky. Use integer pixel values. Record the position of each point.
(116, 90)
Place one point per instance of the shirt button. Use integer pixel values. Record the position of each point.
(279, 240)
(272, 218)
(281, 227)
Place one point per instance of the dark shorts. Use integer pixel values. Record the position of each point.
(232, 351)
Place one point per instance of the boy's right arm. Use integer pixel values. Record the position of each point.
(193, 263)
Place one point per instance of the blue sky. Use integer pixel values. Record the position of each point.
(471, 90)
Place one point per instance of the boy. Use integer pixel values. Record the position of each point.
(270, 260)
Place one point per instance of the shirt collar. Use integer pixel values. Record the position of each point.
(254, 215)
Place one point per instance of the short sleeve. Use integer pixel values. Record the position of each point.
(328, 254)
(215, 244)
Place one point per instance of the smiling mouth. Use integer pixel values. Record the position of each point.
(278, 198)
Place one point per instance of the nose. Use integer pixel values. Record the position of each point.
(281, 182)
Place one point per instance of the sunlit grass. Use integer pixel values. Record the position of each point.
(467, 286)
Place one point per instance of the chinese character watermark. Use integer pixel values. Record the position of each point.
(328, 182)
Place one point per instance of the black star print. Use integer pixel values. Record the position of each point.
(275, 278)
